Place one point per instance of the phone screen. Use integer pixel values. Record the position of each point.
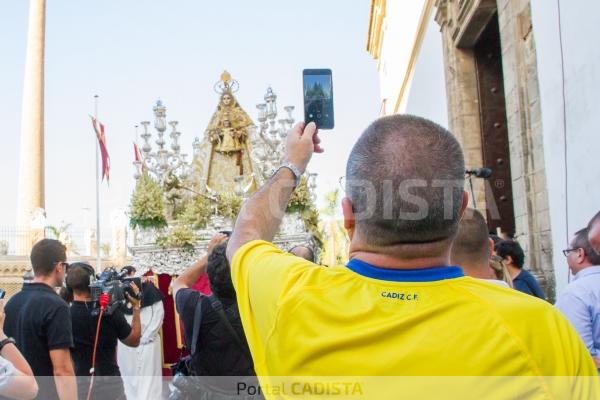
(318, 97)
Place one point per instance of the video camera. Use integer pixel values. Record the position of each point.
(115, 285)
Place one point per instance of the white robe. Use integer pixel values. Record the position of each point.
(141, 367)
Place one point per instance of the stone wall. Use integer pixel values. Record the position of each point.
(13, 269)
(523, 111)
(461, 23)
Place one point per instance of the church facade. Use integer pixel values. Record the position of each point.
(510, 78)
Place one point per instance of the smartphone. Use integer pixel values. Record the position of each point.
(318, 97)
(2, 293)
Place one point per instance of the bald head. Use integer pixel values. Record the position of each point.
(405, 178)
(471, 248)
(594, 232)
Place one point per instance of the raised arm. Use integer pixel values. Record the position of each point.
(261, 214)
(191, 275)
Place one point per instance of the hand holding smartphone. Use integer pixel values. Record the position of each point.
(318, 97)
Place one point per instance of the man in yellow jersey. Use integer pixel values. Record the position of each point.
(398, 321)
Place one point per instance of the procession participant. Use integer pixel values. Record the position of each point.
(142, 365)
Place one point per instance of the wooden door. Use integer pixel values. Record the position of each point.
(494, 131)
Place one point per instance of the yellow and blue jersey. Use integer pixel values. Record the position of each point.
(305, 320)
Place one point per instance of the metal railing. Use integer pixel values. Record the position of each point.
(18, 241)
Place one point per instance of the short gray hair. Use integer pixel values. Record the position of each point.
(397, 178)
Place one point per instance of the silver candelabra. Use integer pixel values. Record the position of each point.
(164, 161)
(269, 145)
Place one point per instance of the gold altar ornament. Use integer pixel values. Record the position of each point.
(225, 155)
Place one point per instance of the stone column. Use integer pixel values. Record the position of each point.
(462, 94)
(31, 169)
(119, 237)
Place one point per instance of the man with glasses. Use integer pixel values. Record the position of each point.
(580, 300)
(39, 321)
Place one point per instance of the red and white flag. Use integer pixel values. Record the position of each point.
(138, 157)
(100, 135)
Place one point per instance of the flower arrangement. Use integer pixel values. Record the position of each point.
(147, 204)
(180, 236)
(301, 202)
(196, 212)
(228, 205)
(310, 216)
(301, 197)
(189, 213)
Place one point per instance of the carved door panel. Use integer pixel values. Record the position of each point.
(494, 130)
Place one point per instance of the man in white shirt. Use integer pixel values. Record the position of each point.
(141, 367)
(473, 248)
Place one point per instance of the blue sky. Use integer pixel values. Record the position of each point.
(132, 53)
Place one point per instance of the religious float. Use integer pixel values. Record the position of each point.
(178, 205)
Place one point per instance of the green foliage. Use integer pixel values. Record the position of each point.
(301, 202)
(310, 216)
(301, 198)
(180, 236)
(229, 205)
(147, 204)
(196, 212)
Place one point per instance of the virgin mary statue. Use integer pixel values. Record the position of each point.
(222, 160)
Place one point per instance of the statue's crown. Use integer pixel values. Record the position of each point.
(226, 84)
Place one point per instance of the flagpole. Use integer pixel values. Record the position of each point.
(98, 258)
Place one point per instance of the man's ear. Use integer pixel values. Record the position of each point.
(581, 256)
(491, 245)
(509, 260)
(349, 218)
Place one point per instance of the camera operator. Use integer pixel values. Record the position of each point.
(107, 382)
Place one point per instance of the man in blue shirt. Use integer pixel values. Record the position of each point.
(513, 257)
(580, 300)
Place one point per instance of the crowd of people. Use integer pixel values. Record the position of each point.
(428, 292)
